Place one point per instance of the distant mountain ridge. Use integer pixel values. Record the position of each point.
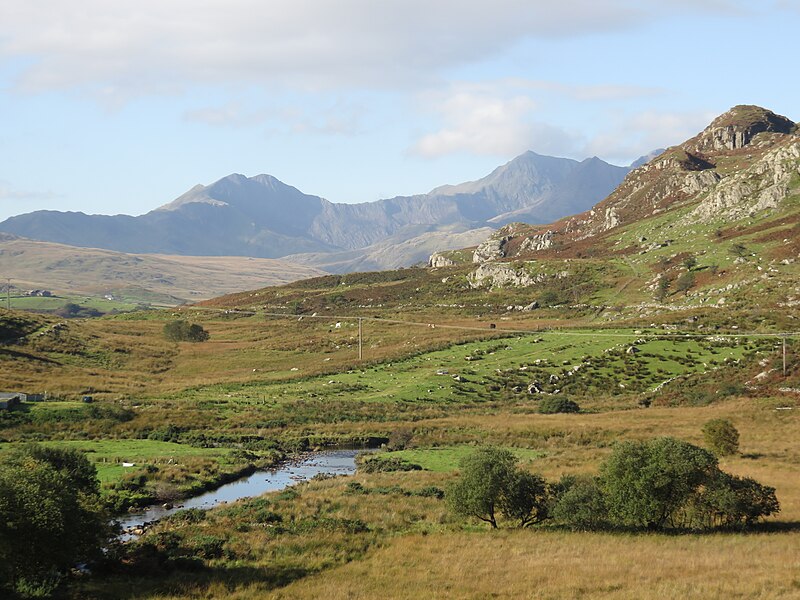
(263, 217)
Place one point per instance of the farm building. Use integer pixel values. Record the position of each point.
(12, 399)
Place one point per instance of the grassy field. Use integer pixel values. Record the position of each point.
(448, 458)
(108, 456)
(385, 533)
(54, 303)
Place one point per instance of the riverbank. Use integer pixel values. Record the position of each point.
(289, 471)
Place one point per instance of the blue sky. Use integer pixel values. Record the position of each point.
(119, 107)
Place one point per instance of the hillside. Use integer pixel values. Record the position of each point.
(161, 279)
(263, 217)
(713, 222)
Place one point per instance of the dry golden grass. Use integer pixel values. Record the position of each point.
(71, 270)
(414, 549)
(550, 565)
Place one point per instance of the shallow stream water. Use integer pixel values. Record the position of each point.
(334, 462)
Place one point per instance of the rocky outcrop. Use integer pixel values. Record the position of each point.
(737, 127)
(538, 242)
(491, 249)
(500, 275)
(439, 260)
(761, 187)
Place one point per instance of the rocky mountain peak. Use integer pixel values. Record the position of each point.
(737, 127)
(743, 165)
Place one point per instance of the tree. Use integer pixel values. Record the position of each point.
(490, 484)
(721, 437)
(51, 517)
(182, 331)
(645, 484)
(524, 498)
(690, 262)
(662, 287)
(579, 502)
(685, 281)
(484, 475)
(661, 483)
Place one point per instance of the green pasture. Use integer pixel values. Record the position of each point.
(448, 458)
(583, 361)
(108, 455)
(53, 303)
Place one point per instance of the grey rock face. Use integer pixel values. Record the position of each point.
(491, 249)
(761, 187)
(737, 127)
(500, 275)
(538, 242)
(439, 260)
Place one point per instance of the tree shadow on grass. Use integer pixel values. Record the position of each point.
(188, 581)
(27, 356)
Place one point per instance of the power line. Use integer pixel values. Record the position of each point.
(538, 331)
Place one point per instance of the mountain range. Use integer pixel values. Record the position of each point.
(263, 217)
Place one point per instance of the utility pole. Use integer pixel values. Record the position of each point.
(784, 357)
(360, 346)
(8, 293)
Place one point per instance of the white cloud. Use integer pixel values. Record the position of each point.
(481, 119)
(9, 192)
(128, 47)
(338, 118)
(630, 137)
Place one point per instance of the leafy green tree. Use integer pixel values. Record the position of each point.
(490, 485)
(645, 484)
(579, 503)
(690, 262)
(721, 437)
(660, 483)
(525, 498)
(50, 517)
(182, 331)
(484, 475)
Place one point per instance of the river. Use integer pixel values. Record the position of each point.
(334, 462)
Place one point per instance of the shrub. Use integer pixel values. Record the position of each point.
(383, 465)
(557, 404)
(662, 287)
(579, 503)
(399, 438)
(721, 437)
(728, 500)
(182, 331)
(431, 491)
(685, 281)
